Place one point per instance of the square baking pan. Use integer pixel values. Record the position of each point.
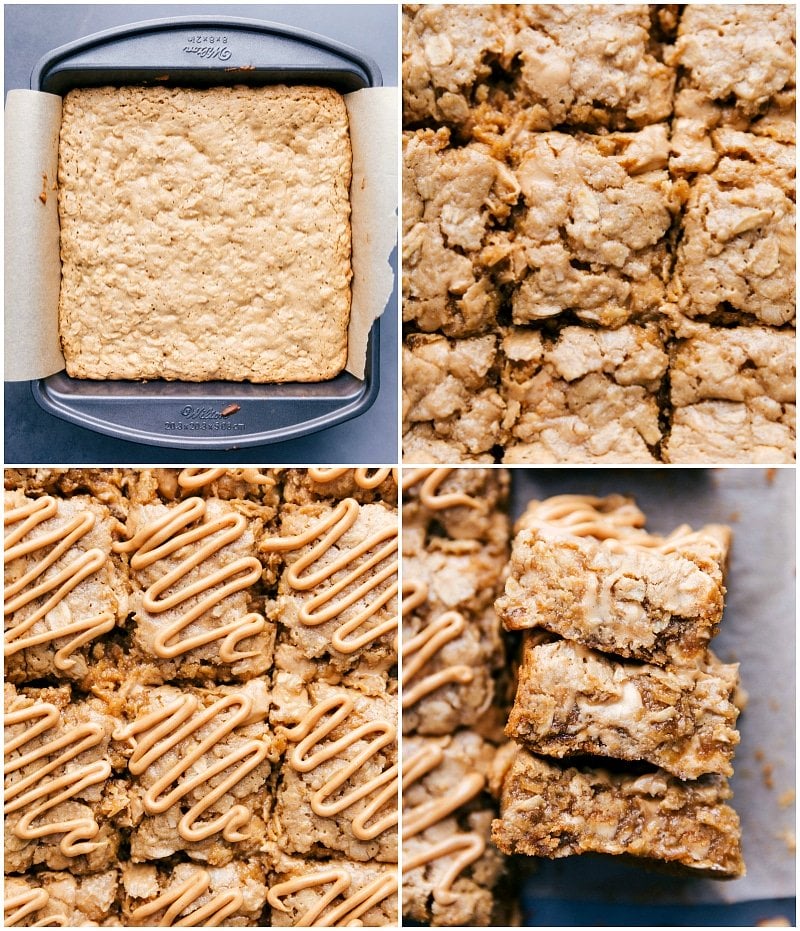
(207, 51)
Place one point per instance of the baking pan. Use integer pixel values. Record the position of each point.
(205, 51)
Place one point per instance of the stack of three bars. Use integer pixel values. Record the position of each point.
(616, 665)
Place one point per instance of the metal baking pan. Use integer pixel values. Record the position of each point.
(205, 51)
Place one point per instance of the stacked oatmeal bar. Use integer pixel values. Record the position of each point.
(598, 233)
(455, 545)
(624, 720)
(201, 706)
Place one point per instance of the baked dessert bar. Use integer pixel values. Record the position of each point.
(452, 411)
(193, 567)
(761, 431)
(192, 895)
(563, 64)
(337, 790)
(183, 253)
(549, 810)
(572, 700)
(449, 866)
(337, 592)
(585, 576)
(303, 486)
(591, 236)
(336, 892)
(62, 589)
(452, 198)
(199, 759)
(59, 899)
(582, 396)
(59, 795)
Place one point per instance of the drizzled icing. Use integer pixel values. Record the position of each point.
(153, 736)
(420, 649)
(619, 528)
(310, 733)
(49, 548)
(182, 896)
(159, 540)
(464, 847)
(41, 792)
(358, 580)
(192, 479)
(18, 907)
(361, 477)
(431, 479)
(348, 911)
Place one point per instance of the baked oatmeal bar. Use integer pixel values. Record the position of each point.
(199, 759)
(197, 896)
(452, 411)
(584, 396)
(335, 892)
(60, 797)
(449, 866)
(465, 504)
(304, 486)
(249, 484)
(735, 259)
(615, 589)
(337, 591)
(759, 431)
(736, 52)
(452, 200)
(548, 810)
(63, 589)
(337, 788)
(60, 899)
(591, 236)
(193, 568)
(572, 701)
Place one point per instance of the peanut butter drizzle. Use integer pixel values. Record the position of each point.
(347, 912)
(419, 650)
(619, 529)
(326, 605)
(18, 907)
(40, 791)
(183, 895)
(471, 845)
(164, 729)
(361, 477)
(55, 589)
(431, 480)
(159, 540)
(310, 732)
(192, 479)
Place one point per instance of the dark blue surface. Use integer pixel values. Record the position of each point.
(33, 436)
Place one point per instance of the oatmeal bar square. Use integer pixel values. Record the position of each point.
(337, 788)
(59, 899)
(582, 396)
(647, 597)
(304, 486)
(337, 595)
(233, 895)
(336, 891)
(548, 810)
(200, 760)
(61, 797)
(572, 701)
(452, 200)
(449, 866)
(591, 237)
(452, 411)
(63, 588)
(195, 571)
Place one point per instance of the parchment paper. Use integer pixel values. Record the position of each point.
(757, 630)
(32, 263)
